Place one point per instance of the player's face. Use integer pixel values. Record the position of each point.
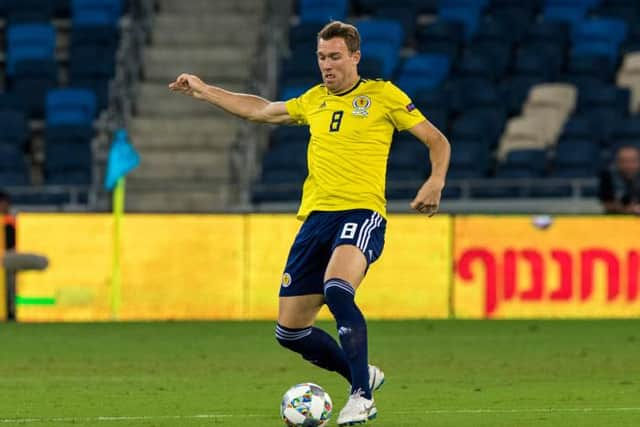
(628, 160)
(338, 66)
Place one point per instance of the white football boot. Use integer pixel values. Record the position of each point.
(358, 410)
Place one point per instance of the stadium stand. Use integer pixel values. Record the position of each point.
(59, 58)
(536, 94)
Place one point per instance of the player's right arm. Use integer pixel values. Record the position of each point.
(246, 106)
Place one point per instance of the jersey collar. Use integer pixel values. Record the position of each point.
(354, 87)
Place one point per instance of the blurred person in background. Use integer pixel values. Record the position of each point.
(620, 185)
(8, 221)
(343, 203)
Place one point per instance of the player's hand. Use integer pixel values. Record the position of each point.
(427, 200)
(189, 85)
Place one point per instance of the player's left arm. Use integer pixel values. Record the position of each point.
(428, 198)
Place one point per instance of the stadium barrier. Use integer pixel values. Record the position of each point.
(230, 266)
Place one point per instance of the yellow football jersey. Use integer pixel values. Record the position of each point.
(349, 145)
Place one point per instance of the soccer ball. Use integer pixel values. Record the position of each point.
(306, 405)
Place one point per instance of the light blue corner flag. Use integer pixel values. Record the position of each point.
(122, 159)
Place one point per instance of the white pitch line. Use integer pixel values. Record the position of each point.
(215, 416)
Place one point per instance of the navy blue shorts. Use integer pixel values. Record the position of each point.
(319, 235)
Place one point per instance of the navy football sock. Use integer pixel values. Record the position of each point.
(316, 346)
(339, 296)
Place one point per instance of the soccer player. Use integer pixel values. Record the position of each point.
(351, 122)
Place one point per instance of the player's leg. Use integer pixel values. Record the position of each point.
(344, 274)
(295, 331)
(301, 297)
(360, 242)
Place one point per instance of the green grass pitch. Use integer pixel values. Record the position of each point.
(439, 373)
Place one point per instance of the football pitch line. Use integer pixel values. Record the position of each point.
(218, 416)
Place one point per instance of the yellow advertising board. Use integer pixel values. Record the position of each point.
(410, 280)
(214, 267)
(182, 267)
(75, 287)
(566, 267)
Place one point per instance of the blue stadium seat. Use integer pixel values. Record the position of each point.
(523, 164)
(407, 167)
(384, 52)
(437, 97)
(498, 54)
(554, 54)
(591, 64)
(469, 16)
(516, 18)
(626, 130)
(548, 32)
(14, 130)
(23, 11)
(604, 49)
(29, 41)
(476, 65)
(95, 13)
(576, 158)
(471, 127)
(415, 6)
(494, 31)
(604, 96)
(10, 101)
(68, 163)
(533, 63)
(608, 122)
(515, 90)
(301, 64)
(400, 14)
(579, 128)
(423, 71)
(66, 134)
(70, 106)
(13, 168)
(322, 11)
(67, 155)
(31, 82)
(62, 8)
(441, 37)
(92, 69)
(586, 4)
(303, 36)
(469, 159)
(438, 116)
(628, 12)
(371, 67)
(99, 38)
(600, 30)
(571, 15)
(381, 31)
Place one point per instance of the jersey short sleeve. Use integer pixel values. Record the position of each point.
(402, 112)
(297, 107)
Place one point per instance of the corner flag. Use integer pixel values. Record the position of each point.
(122, 159)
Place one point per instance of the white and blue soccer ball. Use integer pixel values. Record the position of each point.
(306, 405)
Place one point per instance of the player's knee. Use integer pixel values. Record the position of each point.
(337, 292)
(290, 337)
